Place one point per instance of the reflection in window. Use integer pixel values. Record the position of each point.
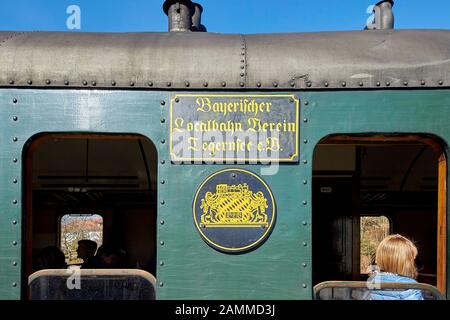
(373, 230)
(75, 227)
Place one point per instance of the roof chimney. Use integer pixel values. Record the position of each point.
(384, 16)
(197, 18)
(180, 14)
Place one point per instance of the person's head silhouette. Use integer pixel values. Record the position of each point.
(51, 257)
(397, 254)
(86, 248)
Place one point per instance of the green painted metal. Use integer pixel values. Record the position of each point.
(191, 269)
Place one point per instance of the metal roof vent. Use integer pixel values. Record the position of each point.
(383, 16)
(180, 14)
(197, 19)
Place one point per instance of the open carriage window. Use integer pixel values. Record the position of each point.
(96, 187)
(365, 188)
(76, 227)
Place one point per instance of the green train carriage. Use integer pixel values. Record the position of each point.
(354, 124)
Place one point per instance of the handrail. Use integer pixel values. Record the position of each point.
(378, 286)
(93, 272)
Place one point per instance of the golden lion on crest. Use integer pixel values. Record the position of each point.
(234, 206)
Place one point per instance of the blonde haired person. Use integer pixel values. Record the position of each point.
(394, 258)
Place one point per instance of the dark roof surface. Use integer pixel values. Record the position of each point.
(351, 59)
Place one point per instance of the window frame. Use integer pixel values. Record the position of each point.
(78, 212)
(373, 214)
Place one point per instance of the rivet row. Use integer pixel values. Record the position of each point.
(242, 67)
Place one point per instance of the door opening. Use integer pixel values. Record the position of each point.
(365, 187)
(100, 189)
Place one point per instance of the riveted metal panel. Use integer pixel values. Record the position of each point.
(194, 270)
(187, 267)
(352, 59)
(131, 60)
(180, 248)
(287, 252)
(197, 60)
(25, 113)
(364, 112)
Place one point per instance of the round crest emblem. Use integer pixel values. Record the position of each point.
(234, 210)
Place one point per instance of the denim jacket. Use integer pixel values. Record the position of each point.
(410, 294)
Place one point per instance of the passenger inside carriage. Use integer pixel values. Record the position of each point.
(395, 259)
(111, 257)
(115, 208)
(363, 191)
(86, 251)
(51, 257)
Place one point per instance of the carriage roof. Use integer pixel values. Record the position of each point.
(191, 60)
